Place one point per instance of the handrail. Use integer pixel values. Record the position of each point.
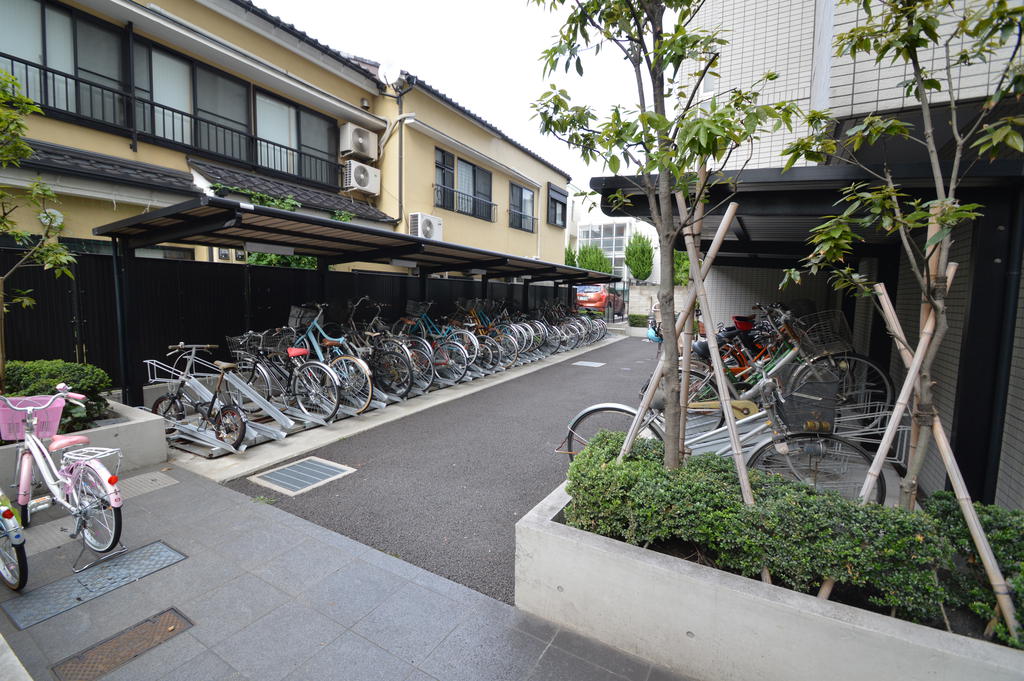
(523, 219)
(452, 199)
(80, 97)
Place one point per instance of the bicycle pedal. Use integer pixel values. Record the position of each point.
(39, 504)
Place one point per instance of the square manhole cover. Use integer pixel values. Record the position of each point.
(302, 475)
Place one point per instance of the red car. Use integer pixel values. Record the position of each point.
(599, 297)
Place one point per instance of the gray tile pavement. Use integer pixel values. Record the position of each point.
(275, 598)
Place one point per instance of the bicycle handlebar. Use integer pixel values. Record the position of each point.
(63, 392)
(183, 346)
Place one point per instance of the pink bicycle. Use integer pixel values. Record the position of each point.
(82, 484)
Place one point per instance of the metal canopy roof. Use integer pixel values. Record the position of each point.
(778, 209)
(219, 222)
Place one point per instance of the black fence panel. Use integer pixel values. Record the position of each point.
(273, 290)
(171, 301)
(97, 313)
(47, 329)
(199, 302)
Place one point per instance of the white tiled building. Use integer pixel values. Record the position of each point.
(795, 39)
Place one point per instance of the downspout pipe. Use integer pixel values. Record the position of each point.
(1004, 360)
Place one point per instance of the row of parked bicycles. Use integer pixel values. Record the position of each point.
(807, 406)
(313, 371)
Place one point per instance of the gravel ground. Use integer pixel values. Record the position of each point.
(443, 488)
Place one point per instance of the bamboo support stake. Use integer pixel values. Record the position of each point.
(902, 402)
(988, 558)
(981, 543)
(691, 296)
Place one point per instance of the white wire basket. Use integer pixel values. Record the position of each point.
(159, 372)
(825, 333)
(865, 424)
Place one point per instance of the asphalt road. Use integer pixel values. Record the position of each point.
(443, 488)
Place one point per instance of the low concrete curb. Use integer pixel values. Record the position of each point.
(271, 453)
(140, 436)
(716, 626)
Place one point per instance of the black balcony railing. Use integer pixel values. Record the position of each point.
(81, 98)
(521, 220)
(461, 202)
(67, 93)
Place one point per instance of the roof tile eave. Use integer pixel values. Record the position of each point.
(487, 124)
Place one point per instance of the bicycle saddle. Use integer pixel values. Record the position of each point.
(327, 343)
(297, 352)
(224, 366)
(62, 441)
(372, 333)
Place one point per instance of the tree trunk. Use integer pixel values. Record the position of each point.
(670, 344)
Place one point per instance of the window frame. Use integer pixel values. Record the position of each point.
(450, 198)
(516, 211)
(333, 133)
(129, 119)
(561, 197)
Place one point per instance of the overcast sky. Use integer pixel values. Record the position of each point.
(484, 54)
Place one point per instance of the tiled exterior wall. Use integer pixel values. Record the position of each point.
(862, 86)
(947, 362)
(764, 35)
(733, 290)
(1010, 490)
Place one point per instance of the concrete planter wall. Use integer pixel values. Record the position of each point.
(140, 435)
(716, 626)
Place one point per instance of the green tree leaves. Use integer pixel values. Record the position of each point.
(591, 257)
(639, 256)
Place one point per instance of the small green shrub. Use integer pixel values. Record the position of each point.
(965, 577)
(638, 320)
(41, 377)
(801, 535)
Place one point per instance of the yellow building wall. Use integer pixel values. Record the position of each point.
(547, 241)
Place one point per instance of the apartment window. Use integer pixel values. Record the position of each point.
(222, 113)
(294, 141)
(84, 73)
(520, 212)
(558, 199)
(461, 186)
(163, 88)
(444, 179)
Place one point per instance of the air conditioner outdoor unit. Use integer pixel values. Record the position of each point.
(426, 226)
(358, 142)
(360, 177)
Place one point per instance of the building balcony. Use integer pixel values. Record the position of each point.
(452, 199)
(78, 100)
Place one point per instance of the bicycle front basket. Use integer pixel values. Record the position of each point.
(824, 333)
(299, 317)
(12, 421)
(808, 403)
(416, 307)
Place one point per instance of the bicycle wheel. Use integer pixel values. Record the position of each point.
(825, 462)
(467, 341)
(423, 366)
(13, 564)
(393, 372)
(450, 361)
(355, 385)
(101, 522)
(229, 426)
(509, 350)
(317, 390)
(171, 408)
(611, 417)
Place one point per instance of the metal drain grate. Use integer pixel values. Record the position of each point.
(593, 365)
(301, 476)
(104, 657)
(48, 601)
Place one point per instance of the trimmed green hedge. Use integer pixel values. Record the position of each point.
(801, 535)
(41, 377)
(638, 320)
